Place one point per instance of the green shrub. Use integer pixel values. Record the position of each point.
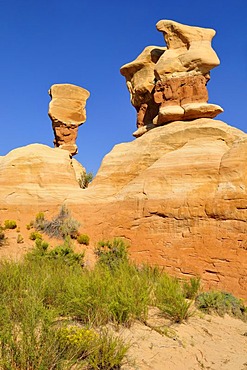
(10, 224)
(77, 340)
(30, 225)
(221, 303)
(85, 180)
(170, 299)
(2, 236)
(83, 239)
(191, 288)
(60, 226)
(109, 352)
(112, 254)
(35, 235)
(20, 239)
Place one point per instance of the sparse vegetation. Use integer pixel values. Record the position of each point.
(20, 239)
(112, 253)
(60, 226)
(35, 235)
(85, 179)
(10, 224)
(2, 236)
(221, 303)
(83, 239)
(54, 313)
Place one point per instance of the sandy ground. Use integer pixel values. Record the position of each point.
(203, 342)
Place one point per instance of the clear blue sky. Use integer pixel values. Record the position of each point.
(85, 43)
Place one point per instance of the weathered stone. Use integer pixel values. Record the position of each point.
(177, 195)
(67, 112)
(188, 49)
(173, 77)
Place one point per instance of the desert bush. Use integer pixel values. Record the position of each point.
(112, 253)
(85, 179)
(60, 226)
(20, 239)
(63, 252)
(35, 235)
(10, 224)
(83, 239)
(221, 303)
(2, 236)
(109, 352)
(30, 225)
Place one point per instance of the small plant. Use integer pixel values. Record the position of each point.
(77, 340)
(191, 288)
(20, 239)
(221, 303)
(85, 180)
(35, 235)
(2, 236)
(170, 299)
(10, 224)
(60, 226)
(30, 225)
(83, 239)
(112, 254)
(109, 352)
(66, 252)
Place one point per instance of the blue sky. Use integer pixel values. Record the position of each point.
(85, 43)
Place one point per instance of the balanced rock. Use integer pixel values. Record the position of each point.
(169, 83)
(67, 112)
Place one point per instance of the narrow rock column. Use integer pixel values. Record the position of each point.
(67, 112)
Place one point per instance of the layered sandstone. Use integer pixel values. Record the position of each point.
(177, 195)
(37, 174)
(67, 112)
(169, 83)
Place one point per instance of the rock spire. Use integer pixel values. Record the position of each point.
(169, 83)
(67, 112)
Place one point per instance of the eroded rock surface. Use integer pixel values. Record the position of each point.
(67, 112)
(169, 83)
(177, 195)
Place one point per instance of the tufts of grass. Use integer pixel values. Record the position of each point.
(171, 300)
(191, 288)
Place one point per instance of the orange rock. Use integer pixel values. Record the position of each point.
(67, 112)
(177, 195)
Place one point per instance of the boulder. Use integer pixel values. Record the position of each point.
(67, 112)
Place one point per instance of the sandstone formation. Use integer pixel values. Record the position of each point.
(35, 174)
(177, 195)
(169, 83)
(67, 112)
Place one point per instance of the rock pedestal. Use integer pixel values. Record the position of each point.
(67, 112)
(169, 83)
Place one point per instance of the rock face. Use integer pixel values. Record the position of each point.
(37, 174)
(67, 112)
(169, 83)
(177, 195)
